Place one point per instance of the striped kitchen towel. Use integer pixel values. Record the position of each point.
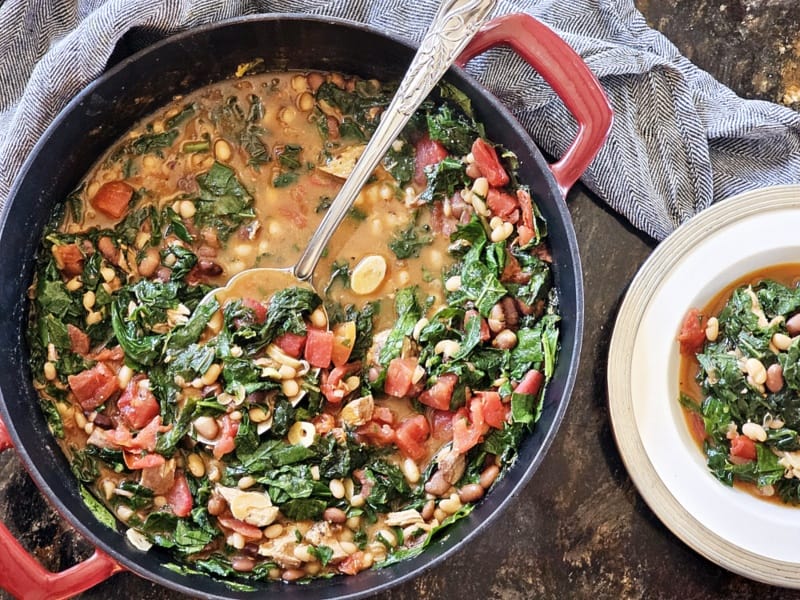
(680, 139)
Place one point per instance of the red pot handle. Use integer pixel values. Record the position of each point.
(567, 74)
(23, 577)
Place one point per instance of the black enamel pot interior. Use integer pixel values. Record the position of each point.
(151, 79)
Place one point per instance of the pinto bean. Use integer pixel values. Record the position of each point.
(150, 262)
(216, 505)
(209, 268)
(109, 251)
(511, 313)
(774, 380)
(334, 515)
(470, 492)
(437, 484)
(793, 324)
(243, 564)
(428, 509)
(488, 476)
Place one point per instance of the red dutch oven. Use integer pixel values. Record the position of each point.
(137, 86)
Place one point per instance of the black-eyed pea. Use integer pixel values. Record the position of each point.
(774, 381)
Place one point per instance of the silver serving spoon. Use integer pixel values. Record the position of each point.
(454, 25)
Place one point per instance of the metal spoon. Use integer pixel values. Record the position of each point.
(455, 23)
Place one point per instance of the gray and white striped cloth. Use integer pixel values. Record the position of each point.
(680, 139)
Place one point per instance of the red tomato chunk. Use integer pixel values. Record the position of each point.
(693, 333)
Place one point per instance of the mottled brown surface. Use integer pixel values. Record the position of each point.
(579, 529)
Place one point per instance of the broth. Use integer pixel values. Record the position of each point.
(267, 438)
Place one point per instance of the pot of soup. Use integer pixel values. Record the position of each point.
(347, 436)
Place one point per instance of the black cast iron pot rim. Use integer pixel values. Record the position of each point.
(410, 568)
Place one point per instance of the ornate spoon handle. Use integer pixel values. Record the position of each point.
(452, 28)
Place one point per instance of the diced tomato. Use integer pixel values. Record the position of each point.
(531, 383)
(474, 314)
(319, 347)
(442, 424)
(399, 376)
(503, 205)
(146, 438)
(526, 205)
(524, 235)
(295, 215)
(179, 497)
(697, 426)
(379, 434)
(411, 434)
(108, 355)
(291, 343)
(440, 393)
(78, 340)
(323, 423)
(94, 386)
(344, 338)
(227, 438)
(251, 532)
(468, 428)
(259, 310)
(142, 461)
(743, 447)
(353, 563)
(427, 152)
(495, 413)
(693, 333)
(333, 387)
(112, 198)
(69, 259)
(160, 479)
(138, 405)
(383, 414)
(488, 163)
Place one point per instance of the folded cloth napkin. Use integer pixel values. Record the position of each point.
(680, 140)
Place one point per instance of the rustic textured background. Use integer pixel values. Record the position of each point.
(579, 530)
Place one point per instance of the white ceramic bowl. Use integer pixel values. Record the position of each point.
(734, 529)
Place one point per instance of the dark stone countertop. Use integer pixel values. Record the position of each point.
(579, 529)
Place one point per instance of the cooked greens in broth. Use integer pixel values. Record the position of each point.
(740, 382)
(298, 435)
